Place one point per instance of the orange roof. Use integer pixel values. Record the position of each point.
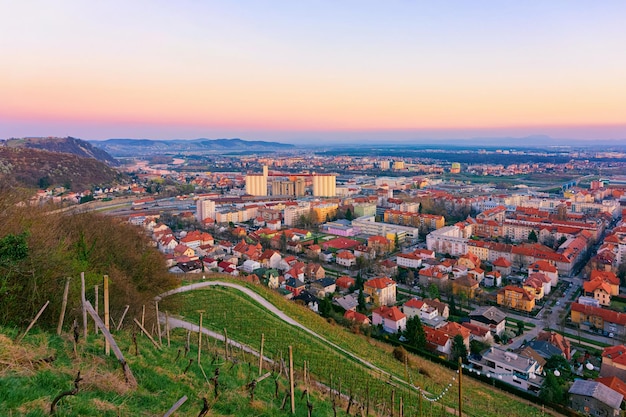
(607, 276)
(391, 313)
(436, 337)
(345, 281)
(616, 353)
(452, 329)
(502, 262)
(542, 265)
(346, 255)
(414, 303)
(380, 283)
(597, 284)
(522, 291)
(358, 317)
(614, 383)
(606, 315)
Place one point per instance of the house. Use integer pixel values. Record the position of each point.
(228, 268)
(593, 398)
(270, 259)
(492, 279)
(477, 273)
(209, 263)
(614, 362)
(469, 260)
(382, 290)
(294, 286)
(314, 272)
(388, 267)
(597, 318)
(503, 266)
(465, 285)
(344, 282)
(348, 301)
(409, 260)
(183, 250)
(438, 341)
(479, 333)
(380, 244)
(442, 308)
(308, 299)
(546, 268)
(544, 349)
(190, 267)
(326, 256)
(513, 368)
(558, 341)
(433, 275)
(356, 317)
(516, 298)
(250, 265)
(453, 329)
(323, 286)
(390, 318)
(415, 307)
(534, 285)
(313, 251)
(364, 251)
(614, 383)
(345, 258)
(602, 285)
(490, 318)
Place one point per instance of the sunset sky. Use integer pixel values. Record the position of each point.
(305, 71)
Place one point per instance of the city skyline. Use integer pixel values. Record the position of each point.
(305, 73)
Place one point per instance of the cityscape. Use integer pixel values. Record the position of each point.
(313, 209)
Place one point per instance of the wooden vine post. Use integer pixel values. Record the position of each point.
(63, 305)
(32, 323)
(200, 336)
(107, 318)
(261, 353)
(167, 327)
(95, 306)
(130, 378)
(156, 306)
(291, 383)
(84, 304)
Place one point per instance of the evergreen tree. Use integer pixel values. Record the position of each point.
(553, 390)
(532, 236)
(433, 291)
(349, 214)
(452, 305)
(414, 333)
(361, 306)
(325, 307)
(458, 350)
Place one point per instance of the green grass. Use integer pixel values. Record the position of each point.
(512, 322)
(28, 390)
(246, 321)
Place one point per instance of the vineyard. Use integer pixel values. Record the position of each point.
(247, 322)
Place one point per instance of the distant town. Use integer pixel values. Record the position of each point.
(516, 268)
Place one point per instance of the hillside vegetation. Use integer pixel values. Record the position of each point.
(39, 250)
(39, 168)
(68, 144)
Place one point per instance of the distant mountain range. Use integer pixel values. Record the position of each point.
(137, 147)
(68, 145)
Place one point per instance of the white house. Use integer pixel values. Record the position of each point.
(409, 260)
(391, 318)
(250, 265)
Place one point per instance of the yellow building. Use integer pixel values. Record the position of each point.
(381, 290)
(325, 211)
(516, 298)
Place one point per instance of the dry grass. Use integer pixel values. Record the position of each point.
(22, 359)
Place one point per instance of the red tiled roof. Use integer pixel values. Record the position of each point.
(606, 315)
(345, 281)
(436, 337)
(391, 313)
(614, 383)
(356, 316)
(414, 303)
(380, 283)
(607, 276)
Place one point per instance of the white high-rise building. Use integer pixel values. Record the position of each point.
(205, 209)
(324, 185)
(256, 184)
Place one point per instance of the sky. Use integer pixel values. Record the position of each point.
(313, 71)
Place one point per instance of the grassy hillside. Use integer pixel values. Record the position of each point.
(245, 321)
(29, 384)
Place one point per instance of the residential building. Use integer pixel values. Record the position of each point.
(438, 341)
(516, 298)
(515, 369)
(593, 398)
(490, 318)
(391, 318)
(466, 286)
(589, 317)
(382, 291)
